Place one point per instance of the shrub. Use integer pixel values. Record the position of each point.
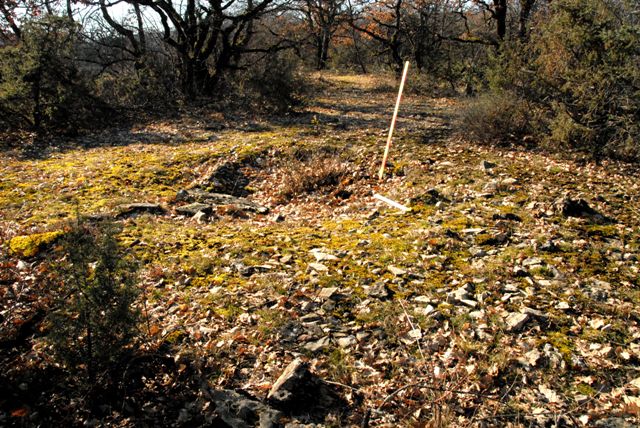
(496, 117)
(302, 173)
(270, 83)
(153, 86)
(579, 72)
(95, 320)
(587, 56)
(40, 87)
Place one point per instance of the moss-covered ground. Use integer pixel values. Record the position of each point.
(231, 292)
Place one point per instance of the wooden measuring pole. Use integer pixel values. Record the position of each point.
(393, 121)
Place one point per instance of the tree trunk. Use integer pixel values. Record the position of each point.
(525, 12)
(501, 18)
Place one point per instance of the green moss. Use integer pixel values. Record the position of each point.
(30, 245)
(584, 389)
(542, 272)
(562, 343)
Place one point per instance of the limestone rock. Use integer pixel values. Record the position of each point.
(194, 208)
(220, 199)
(298, 391)
(516, 321)
(128, 210)
(239, 411)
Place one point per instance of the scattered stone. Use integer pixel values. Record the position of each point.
(239, 411)
(318, 345)
(535, 313)
(520, 272)
(477, 315)
(490, 188)
(577, 208)
(278, 218)
(309, 318)
(477, 252)
(327, 292)
(380, 291)
(507, 216)
(193, 209)
(516, 321)
(469, 302)
(423, 300)
(346, 342)
(460, 294)
(472, 231)
(286, 259)
(321, 257)
(201, 217)
(422, 310)
(563, 306)
(298, 391)
(220, 200)
(509, 181)
(532, 261)
(486, 165)
(549, 247)
(613, 423)
(430, 197)
(396, 270)
(318, 267)
(128, 210)
(21, 265)
(362, 335)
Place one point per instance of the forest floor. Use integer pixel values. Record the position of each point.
(500, 299)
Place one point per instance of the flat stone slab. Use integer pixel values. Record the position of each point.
(194, 208)
(219, 199)
(127, 210)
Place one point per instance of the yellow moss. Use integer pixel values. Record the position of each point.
(30, 245)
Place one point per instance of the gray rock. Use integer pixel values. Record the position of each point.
(220, 199)
(430, 197)
(346, 342)
(238, 411)
(486, 165)
(194, 208)
(613, 423)
(516, 321)
(318, 345)
(535, 313)
(327, 292)
(396, 270)
(380, 291)
(201, 217)
(128, 210)
(549, 247)
(299, 391)
(477, 252)
(459, 295)
(579, 208)
(519, 272)
(532, 261)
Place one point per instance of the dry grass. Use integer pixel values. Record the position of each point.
(304, 173)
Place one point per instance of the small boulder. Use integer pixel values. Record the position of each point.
(239, 411)
(128, 210)
(577, 208)
(194, 208)
(299, 391)
(516, 321)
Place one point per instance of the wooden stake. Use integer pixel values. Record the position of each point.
(391, 202)
(393, 121)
